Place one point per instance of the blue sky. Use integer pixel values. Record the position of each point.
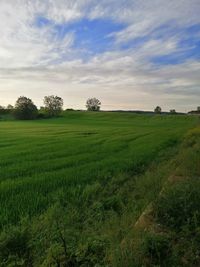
(131, 54)
(91, 36)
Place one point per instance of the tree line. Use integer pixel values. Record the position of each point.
(158, 110)
(25, 109)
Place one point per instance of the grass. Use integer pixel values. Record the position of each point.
(170, 235)
(88, 174)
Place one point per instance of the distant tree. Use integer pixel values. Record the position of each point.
(10, 107)
(41, 113)
(158, 110)
(93, 104)
(53, 105)
(42, 108)
(172, 111)
(25, 109)
(197, 111)
(2, 110)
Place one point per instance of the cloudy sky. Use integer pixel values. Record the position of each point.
(131, 54)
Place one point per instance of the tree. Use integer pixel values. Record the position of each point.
(158, 110)
(9, 106)
(25, 109)
(198, 109)
(172, 111)
(2, 110)
(93, 104)
(53, 105)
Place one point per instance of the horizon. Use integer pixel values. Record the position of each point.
(109, 110)
(129, 54)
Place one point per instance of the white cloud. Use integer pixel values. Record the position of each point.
(22, 44)
(144, 17)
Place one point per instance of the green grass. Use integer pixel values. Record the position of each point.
(173, 234)
(101, 168)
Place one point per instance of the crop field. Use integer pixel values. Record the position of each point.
(92, 172)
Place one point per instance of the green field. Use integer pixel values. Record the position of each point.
(85, 177)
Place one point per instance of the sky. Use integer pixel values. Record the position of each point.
(130, 54)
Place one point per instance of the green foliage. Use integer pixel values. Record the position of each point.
(177, 209)
(14, 247)
(157, 249)
(172, 111)
(53, 105)
(56, 242)
(158, 110)
(25, 109)
(10, 107)
(180, 205)
(4, 111)
(186, 247)
(93, 104)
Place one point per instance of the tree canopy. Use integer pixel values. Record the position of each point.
(93, 104)
(158, 110)
(53, 105)
(25, 109)
(172, 111)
